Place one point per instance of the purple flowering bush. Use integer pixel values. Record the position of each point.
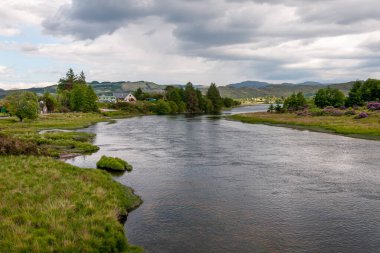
(362, 115)
(373, 106)
(331, 111)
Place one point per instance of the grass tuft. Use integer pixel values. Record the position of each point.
(113, 163)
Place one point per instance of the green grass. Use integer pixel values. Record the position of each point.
(55, 143)
(50, 121)
(367, 128)
(113, 163)
(50, 206)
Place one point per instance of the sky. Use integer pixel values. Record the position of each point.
(177, 41)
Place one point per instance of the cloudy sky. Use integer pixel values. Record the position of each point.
(176, 41)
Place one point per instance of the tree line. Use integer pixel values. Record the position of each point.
(177, 99)
(74, 94)
(362, 92)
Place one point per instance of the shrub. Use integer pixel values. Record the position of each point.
(329, 97)
(113, 163)
(316, 112)
(13, 146)
(331, 111)
(373, 106)
(23, 105)
(162, 107)
(303, 113)
(362, 115)
(350, 112)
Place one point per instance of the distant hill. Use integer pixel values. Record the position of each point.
(249, 84)
(122, 86)
(247, 89)
(279, 90)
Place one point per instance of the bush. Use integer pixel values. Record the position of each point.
(13, 146)
(173, 107)
(350, 112)
(373, 106)
(362, 115)
(316, 112)
(331, 111)
(113, 163)
(329, 97)
(23, 105)
(295, 102)
(162, 107)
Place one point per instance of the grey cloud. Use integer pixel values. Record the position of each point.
(89, 19)
(203, 27)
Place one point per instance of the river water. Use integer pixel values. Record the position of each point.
(213, 185)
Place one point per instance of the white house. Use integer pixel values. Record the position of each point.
(130, 98)
(107, 99)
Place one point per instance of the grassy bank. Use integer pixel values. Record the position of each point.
(367, 128)
(49, 206)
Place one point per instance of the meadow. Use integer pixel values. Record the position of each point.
(348, 125)
(47, 205)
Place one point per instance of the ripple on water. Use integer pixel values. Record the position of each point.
(211, 185)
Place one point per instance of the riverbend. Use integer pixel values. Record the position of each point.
(214, 185)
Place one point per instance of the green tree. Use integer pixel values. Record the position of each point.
(50, 101)
(23, 105)
(81, 78)
(68, 82)
(139, 94)
(354, 95)
(216, 100)
(295, 102)
(83, 98)
(228, 102)
(278, 107)
(191, 98)
(173, 107)
(370, 90)
(90, 99)
(162, 107)
(329, 97)
(271, 108)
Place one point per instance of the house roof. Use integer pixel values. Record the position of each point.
(121, 95)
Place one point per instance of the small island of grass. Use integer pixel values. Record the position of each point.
(113, 164)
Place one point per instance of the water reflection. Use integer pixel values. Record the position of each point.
(222, 186)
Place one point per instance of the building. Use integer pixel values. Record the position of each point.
(124, 97)
(130, 98)
(107, 99)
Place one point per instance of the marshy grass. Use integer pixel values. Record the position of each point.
(113, 164)
(366, 128)
(54, 143)
(50, 206)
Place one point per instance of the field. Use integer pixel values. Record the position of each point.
(49, 206)
(367, 128)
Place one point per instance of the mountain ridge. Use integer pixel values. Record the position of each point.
(246, 89)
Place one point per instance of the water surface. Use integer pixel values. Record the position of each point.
(212, 185)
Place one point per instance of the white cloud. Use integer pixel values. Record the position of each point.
(175, 41)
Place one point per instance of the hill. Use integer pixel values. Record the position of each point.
(279, 90)
(249, 84)
(247, 89)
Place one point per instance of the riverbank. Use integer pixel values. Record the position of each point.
(48, 205)
(366, 128)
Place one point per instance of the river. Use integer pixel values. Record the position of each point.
(213, 185)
